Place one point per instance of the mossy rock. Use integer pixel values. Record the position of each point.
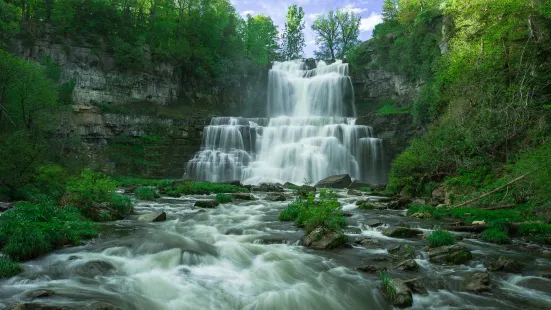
(450, 255)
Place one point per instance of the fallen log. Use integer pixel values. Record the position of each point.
(499, 208)
(489, 193)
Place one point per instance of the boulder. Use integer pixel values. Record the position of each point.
(416, 287)
(450, 255)
(401, 296)
(100, 305)
(35, 306)
(95, 268)
(374, 223)
(242, 196)
(359, 184)
(478, 282)
(206, 203)
(353, 192)
(369, 205)
(402, 232)
(39, 294)
(268, 187)
(422, 215)
(439, 194)
(408, 265)
(290, 185)
(234, 183)
(372, 268)
(152, 217)
(365, 241)
(275, 197)
(394, 249)
(320, 239)
(506, 265)
(399, 204)
(336, 181)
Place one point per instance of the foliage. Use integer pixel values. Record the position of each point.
(146, 193)
(387, 285)
(439, 238)
(261, 39)
(9, 23)
(495, 235)
(223, 198)
(293, 36)
(325, 212)
(121, 204)
(90, 187)
(8, 268)
(337, 33)
(32, 229)
(193, 188)
(364, 189)
(391, 109)
(133, 156)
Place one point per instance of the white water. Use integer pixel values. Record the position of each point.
(311, 133)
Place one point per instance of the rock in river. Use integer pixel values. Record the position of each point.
(478, 282)
(206, 203)
(402, 232)
(336, 181)
(275, 197)
(450, 255)
(152, 217)
(319, 239)
(507, 265)
(408, 265)
(95, 268)
(34, 306)
(242, 196)
(401, 296)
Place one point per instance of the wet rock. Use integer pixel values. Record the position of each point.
(336, 181)
(365, 241)
(40, 294)
(206, 203)
(352, 230)
(152, 217)
(234, 183)
(450, 255)
(268, 187)
(506, 265)
(402, 232)
(394, 249)
(242, 196)
(422, 215)
(320, 239)
(478, 282)
(399, 204)
(347, 214)
(401, 296)
(290, 185)
(5, 206)
(439, 194)
(408, 265)
(374, 223)
(275, 197)
(358, 184)
(416, 287)
(100, 305)
(371, 268)
(35, 306)
(353, 192)
(304, 190)
(95, 268)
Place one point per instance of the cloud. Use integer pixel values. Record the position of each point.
(369, 23)
(350, 7)
(313, 16)
(245, 13)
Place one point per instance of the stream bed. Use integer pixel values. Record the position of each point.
(240, 256)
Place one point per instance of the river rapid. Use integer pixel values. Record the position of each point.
(239, 256)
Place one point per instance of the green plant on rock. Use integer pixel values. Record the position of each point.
(8, 268)
(387, 285)
(146, 193)
(439, 238)
(224, 198)
(495, 235)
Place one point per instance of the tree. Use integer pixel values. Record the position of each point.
(9, 23)
(390, 10)
(336, 34)
(261, 39)
(293, 37)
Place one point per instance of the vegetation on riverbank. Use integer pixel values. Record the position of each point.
(146, 193)
(439, 238)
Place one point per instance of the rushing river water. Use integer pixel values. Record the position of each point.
(239, 256)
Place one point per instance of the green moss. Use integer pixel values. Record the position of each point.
(439, 238)
(224, 198)
(146, 193)
(8, 268)
(495, 236)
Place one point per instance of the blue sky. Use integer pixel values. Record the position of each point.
(370, 10)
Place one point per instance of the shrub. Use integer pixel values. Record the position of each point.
(32, 229)
(121, 203)
(495, 235)
(90, 187)
(197, 188)
(8, 268)
(224, 198)
(364, 189)
(387, 285)
(291, 212)
(146, 193)
(439, 238)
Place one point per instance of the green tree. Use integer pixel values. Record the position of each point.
(327, 35)
(9, 23)
(390, 10)
(293, 37)
(349, 29)
(261, 39)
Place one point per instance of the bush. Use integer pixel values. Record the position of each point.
(224, 198)
(364, 189)
(439, 238)
(121, 203)
(90, 187)
(198, 188)
(32, 229)
(146, 193)
(495, 235)
(8, 268)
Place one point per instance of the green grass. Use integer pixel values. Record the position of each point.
(8, 268)
(146, 193)
(33, 229)
(193, 188)
(325, 212)
(391, 109)
(364, 189)
(387, 285)
(518, 214)
(224, 198)
(439, 238)
(495, 235)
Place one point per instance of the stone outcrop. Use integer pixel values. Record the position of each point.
(322, 240)
(335, 181)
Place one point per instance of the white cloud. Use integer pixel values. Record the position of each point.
(369, 23)
(245, 13)
(313, 16)
(350, 7)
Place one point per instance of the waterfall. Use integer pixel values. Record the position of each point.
(311, 133)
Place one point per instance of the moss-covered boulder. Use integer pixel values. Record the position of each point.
(323, 240)
(450, 255)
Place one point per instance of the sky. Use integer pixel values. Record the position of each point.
(370, 11)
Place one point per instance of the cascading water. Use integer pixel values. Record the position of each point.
(311, 133)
